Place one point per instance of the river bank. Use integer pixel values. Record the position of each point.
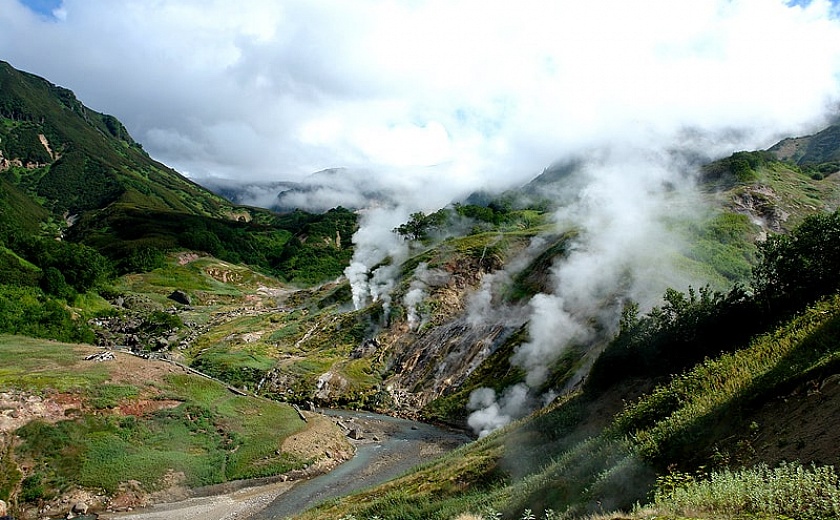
(386, 447)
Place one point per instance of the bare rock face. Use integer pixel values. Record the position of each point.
(761, 203)
(328, 384)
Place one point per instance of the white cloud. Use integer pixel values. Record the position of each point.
(489, 91)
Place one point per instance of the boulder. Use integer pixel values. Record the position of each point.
(181, 297)
(160, 344)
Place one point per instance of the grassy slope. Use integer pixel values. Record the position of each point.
(210, 435)
(593, 452)
(771, 189)
(84, 140)
(137, 419)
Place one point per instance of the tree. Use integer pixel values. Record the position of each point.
(801, 267)
(419, 225)
(53, 282)
(415, 229)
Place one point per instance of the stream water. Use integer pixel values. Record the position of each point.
(401, 444)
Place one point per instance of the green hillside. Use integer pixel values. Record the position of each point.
(692, 409)
(74, 159)
(73, 172)
(683, 416)
(819, 152)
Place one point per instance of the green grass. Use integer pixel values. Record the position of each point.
(91, 303)
(109, 395)
(258, 425)
(236, 367)
(216, 437)
(172, 276)
(211, 437)
(38, 365)
(725, 243)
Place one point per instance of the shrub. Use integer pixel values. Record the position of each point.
(801, 267)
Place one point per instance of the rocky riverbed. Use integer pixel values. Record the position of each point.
(386, 447)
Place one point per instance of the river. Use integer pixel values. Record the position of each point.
(389, 448)
(402, 445)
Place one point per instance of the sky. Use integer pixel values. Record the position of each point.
(429, 93)
(428, 100)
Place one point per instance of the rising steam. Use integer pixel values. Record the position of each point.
(624, 250)
(378, 252)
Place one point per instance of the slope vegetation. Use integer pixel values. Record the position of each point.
(650, 407)
(712, 418)
(116, 431)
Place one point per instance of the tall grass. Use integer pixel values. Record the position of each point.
(789, 490)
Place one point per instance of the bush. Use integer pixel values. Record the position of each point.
(82, 267)
(53, 282)
(801, 267)
(675, 336)
(28, 311)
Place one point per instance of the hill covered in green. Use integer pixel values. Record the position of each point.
(645, 409)
(82, 202)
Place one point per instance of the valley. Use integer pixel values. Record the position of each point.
(619, 335)
(387, 448)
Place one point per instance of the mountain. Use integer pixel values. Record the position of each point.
(73, 172)
(80, 160)
(820, 150)
(655, 389)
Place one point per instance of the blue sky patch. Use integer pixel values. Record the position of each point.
(43, 7)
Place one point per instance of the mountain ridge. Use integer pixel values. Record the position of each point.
(262, 301)
(59, 138)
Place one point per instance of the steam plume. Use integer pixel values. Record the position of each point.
(624, 250)
(376, 243)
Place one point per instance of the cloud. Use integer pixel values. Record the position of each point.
(427, 100)
(485, 92)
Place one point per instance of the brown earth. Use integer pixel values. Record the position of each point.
(20, 407)
(318, 438)
(803, 425)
